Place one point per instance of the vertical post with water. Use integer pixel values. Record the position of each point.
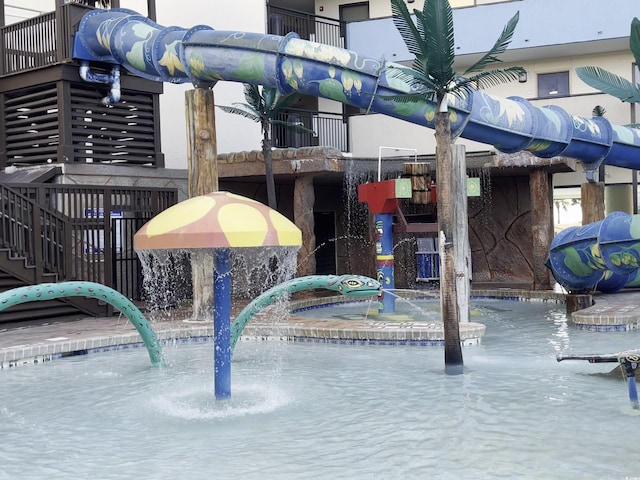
(222, 323)
(383, 199)
(385, 261)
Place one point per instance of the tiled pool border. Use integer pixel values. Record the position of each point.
(605, 316)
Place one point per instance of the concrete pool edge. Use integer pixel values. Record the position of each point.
(38, 344)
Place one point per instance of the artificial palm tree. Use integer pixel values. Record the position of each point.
(430, 39)
(264, 105)
(611, 83)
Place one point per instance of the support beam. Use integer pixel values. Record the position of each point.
(303, 201)
(541, 225)
(592, 201)
(202, 168)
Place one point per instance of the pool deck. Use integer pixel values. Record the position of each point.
(34, 344)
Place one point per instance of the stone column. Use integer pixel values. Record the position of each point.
(541, 225)
(303, 200)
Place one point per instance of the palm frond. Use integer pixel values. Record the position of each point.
(438, 30)
(252, 95)
(285, 101)
(296, 127)
(414, 79)
(426, 96)
(634, 39)
(270, 97)
(494, 77)
(609, 83)
(407, 28)
(498, 48)
(239, 111)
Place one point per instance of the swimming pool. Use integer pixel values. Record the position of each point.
(328, 411)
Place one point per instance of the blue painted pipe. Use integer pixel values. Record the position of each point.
(602, 256)
(204, 56)
(222, 323)
(385, 262)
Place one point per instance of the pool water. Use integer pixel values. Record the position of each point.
(327, 411)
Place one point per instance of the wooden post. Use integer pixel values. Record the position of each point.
(202, 155)
(420, 175)
(592, 201)
(303, 201)
(202, 162)
(461, 230)
(541, 226)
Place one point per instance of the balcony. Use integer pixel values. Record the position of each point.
(40, 41)
(310, 27)
(329, 130)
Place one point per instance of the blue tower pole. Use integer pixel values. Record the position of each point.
(222, 323)
(384, 261)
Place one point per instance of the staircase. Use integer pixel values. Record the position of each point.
(13, 271)
(22, 220)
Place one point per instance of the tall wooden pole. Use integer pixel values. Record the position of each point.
(541, 225)
(592, 201)
(449, 223)
(202, 162)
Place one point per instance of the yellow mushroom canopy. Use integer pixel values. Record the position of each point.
(217, 220)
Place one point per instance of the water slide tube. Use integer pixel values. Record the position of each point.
(204, 56)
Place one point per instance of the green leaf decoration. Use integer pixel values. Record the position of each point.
(251, 68)
(634, 39)
(573, 261)
(609, 83)
(634, 227)
(437, 20)
(407, 109)
(135, 56)
(407, 28)
(332, 88)
(498, 48)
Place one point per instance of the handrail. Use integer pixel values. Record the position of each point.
(77, 232)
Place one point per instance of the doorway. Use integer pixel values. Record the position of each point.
(325, 232)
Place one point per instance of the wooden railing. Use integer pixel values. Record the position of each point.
(80, 232)
(40, 41)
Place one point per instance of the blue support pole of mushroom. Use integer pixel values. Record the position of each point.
(222, 323)
(384, 261)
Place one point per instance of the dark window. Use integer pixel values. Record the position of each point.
(552, 85)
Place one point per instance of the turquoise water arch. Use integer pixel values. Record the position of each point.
(51, 291)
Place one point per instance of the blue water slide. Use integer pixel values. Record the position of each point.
(204, 56)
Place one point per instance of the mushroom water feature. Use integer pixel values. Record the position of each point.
(219, 221)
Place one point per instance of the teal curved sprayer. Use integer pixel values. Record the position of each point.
(354, 286)
(204, 56)
(50, 291)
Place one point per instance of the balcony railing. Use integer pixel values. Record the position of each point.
(310, 27)
(329, 130)
(80, 232)
(40, 41)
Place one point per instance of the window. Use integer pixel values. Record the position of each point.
(552, 85)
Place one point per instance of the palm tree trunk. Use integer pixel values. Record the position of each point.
(447, 188)
(268, 169)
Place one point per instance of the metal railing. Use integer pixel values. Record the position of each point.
(310, 27)
(80, 232)
(329, 130)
